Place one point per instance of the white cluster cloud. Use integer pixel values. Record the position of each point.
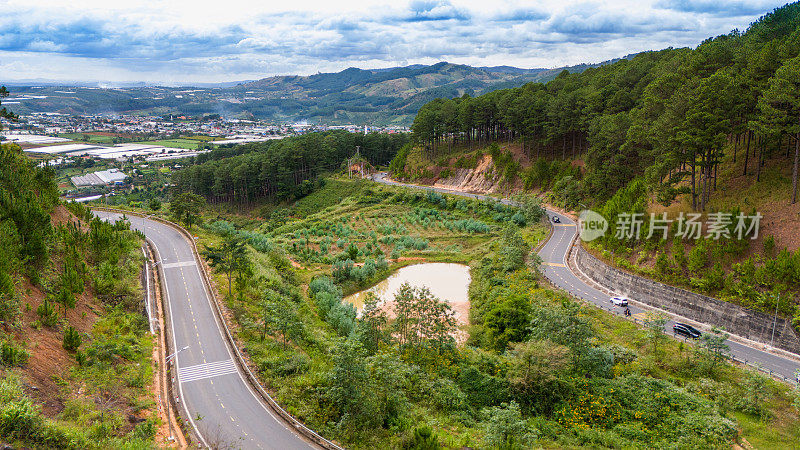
(181, 41)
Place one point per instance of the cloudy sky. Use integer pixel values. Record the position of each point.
(179, 41)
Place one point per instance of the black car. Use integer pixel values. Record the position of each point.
(556, 219)
(686, 330)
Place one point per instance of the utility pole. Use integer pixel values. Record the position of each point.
(174, 354)
(351, 160)
(358, 158)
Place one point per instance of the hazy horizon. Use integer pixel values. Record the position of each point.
(133, 83)
(181, 43)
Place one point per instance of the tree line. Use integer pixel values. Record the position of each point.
(667, 115)
(281, 169)
(27, 196)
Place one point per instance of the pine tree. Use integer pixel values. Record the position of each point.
(780, 109)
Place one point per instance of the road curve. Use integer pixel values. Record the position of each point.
(221, 405)
(555, 268)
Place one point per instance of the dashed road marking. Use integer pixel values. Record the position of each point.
(178, 264)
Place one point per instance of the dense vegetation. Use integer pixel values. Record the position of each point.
(663, 115)
(726, 267)
(26, 199)
(71, 284)
(283, 169)
(537, 369)
(660, 132)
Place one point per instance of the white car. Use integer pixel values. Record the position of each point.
(619, 301)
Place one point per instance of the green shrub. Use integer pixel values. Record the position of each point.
(469, 225)
(19, 419)
(423, 439)
(324, 284)
(258, 241)
(285, 365)
(80, 358)
(12, 354)
(365, 272)
(755, 390)
(679, 253)
(9, 302)
(397, 251)
(145, 430)
(341, 270)
(567, 192)
(72, 339)
(769, 246)
(342, 318)
(381, 263)
(106, 278)
(481, 388)
(698, 256)
(505, 427)
(10, 388)
(662, 263)
(519, 219)
(436, 199)
(47, 313)
(511, 171)
(446, 396)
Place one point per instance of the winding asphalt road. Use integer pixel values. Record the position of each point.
(555, 268)
(222, 407)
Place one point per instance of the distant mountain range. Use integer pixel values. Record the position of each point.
(379, 96)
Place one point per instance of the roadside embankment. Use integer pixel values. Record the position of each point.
(749, 324)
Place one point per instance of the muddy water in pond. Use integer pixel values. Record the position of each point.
(449, 282)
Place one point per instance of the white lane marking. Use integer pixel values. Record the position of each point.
(175, 345)
(241, 374)
(206, 366)
(204, 371)
(179, 264)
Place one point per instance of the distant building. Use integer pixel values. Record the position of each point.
(75, 149)
(32, 139)
(101, 178)
(242, 139)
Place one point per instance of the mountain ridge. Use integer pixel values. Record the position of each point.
(389, 96)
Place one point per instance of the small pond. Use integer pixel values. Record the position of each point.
(449, 282)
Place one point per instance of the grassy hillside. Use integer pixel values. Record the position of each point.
(606, 384)
(757, 273)
(75, 368)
